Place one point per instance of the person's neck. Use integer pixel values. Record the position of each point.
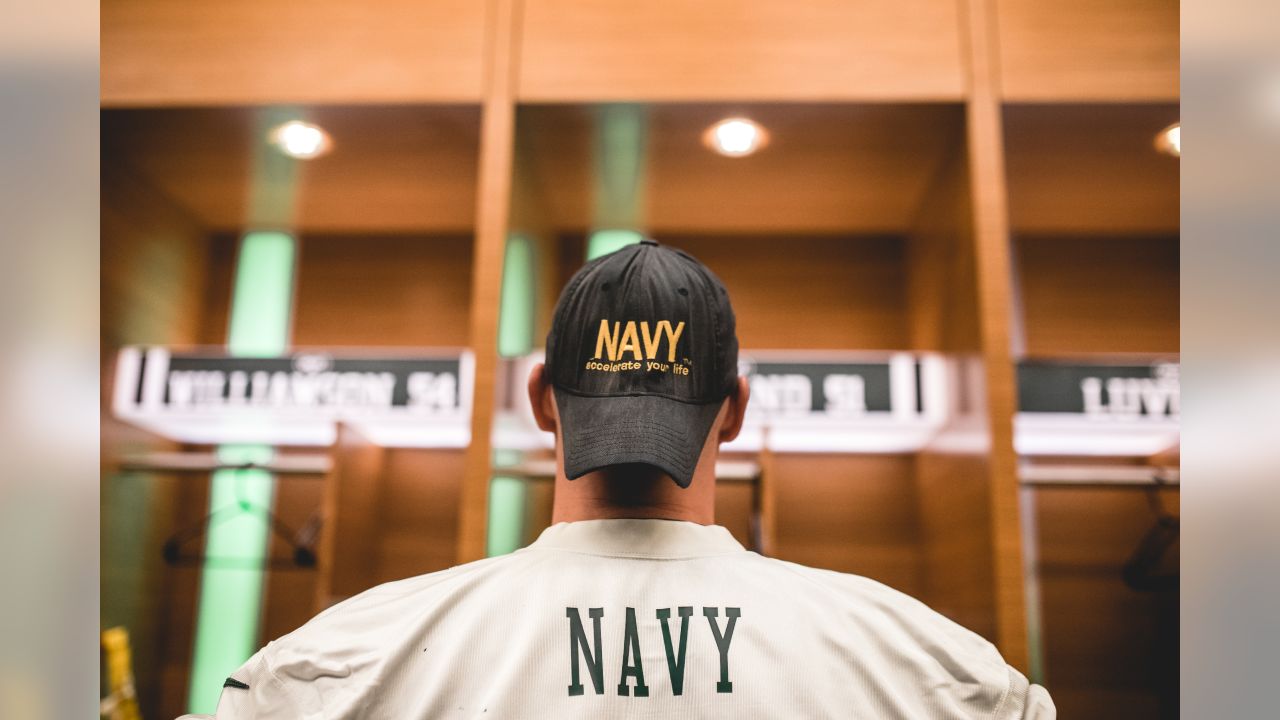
(634, 492)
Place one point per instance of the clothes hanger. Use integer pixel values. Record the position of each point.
(1142, 570)
(301, 543)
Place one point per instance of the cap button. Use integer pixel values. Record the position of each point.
(648, 241)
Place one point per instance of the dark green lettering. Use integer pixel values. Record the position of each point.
(594, 657)
(675, 661)
(631, 652)
(722, 643)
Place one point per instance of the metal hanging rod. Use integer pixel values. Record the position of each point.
(1097, 475)
(204, 462)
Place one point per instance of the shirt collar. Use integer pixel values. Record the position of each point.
(656, 539)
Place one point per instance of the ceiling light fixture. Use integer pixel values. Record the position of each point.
(300, 140)
(1169, 140)
(735, 137)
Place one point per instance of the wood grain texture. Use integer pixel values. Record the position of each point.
(418, 515)
(810, 293)
(822, 293)
(734, 510)
(153, 262)
(215, 321)
(827, 169)
(493, 196)
(1110, 651)
(351, 510)
(850, 513)
(154, 271)
(1088, 50)
(175, 617)
(288, 599)
(393, 169)
(765, 500)
(993, 275)
(1090, 169)
(956, 553)
(383, 291)
(530, 217)
(951, 489)
(229, 52)
(1099, 295)
(941, 288)
(720, 49)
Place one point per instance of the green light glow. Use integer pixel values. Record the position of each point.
(231, 597)
(506, 515)
(230, 604)
(515, 339)
(263, 294)
(620, 155)
(618, 192)
(515, 314)
(603, 242)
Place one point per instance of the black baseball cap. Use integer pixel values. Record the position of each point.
(641, 354)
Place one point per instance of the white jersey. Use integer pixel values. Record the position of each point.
(631, 619)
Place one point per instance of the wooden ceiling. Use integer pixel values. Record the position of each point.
(827, 168)
(1090, 169)
(393, 169)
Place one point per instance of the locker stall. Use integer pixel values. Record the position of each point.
(1094, 211)
(383, 228)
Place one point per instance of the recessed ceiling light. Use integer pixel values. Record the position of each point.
(735, 137)
(1169, 140)
(300, 140)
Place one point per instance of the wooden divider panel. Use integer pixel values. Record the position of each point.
(1099, 295)
(722, 49)
(993, 274)
(810, 293)
(351, 511)
(388, 291)
(1088, 49)
(497, 140)
(231, 52)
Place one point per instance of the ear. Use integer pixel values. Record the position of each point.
(735, 410)
(540, 400)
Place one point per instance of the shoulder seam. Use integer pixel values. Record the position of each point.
(284, 689)
(1008, 692)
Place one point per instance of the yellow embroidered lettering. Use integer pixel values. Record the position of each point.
(651, 341)
(630, 341)
(672, 336)
(606, 340)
